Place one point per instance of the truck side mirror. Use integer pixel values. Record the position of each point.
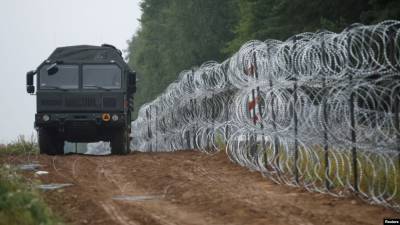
(30, 88)
(132, 81)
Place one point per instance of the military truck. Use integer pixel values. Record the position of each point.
(84, 94)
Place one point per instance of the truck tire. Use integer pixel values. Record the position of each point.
(120, 142)
(50, 143)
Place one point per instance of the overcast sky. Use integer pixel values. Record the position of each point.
(32, 29)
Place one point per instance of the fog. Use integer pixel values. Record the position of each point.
(31, 30)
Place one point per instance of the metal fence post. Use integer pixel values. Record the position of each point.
(194, 129)
(353, 135)
(276, 140)
(227, 119)
(325, 125)
(156, 130)
(259, 105)
(296, 144)
(397, 124)
(253, 138)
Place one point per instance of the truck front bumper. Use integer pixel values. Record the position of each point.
(62, 120)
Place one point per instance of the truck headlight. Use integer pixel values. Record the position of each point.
(45, 117)
(115, 117)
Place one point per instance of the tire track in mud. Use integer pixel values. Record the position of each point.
(115, 214)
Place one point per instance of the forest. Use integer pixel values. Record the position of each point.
(176, 35)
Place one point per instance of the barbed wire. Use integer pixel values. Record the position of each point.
(318, 111)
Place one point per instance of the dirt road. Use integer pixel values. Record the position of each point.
(186, 188)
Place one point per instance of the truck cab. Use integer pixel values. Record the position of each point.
(84, 94)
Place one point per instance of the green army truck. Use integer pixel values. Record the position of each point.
(84, 94)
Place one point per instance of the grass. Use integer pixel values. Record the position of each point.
(20, 146)
(378, 174)
(20, 203)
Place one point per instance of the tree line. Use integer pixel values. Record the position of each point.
(178, 34)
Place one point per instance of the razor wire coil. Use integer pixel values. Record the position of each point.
(319, 111)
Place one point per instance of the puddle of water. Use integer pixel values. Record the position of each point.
(30, 167)
(41, 173)
(136, 197)
(49, 187)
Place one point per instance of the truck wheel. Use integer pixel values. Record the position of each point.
(60, 146)
(50, 143)
(120, 143)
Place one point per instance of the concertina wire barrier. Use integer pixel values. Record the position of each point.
(318, 111)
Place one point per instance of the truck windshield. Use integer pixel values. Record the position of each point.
(101, 76)
(66, 77)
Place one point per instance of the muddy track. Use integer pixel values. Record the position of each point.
(186, 188)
